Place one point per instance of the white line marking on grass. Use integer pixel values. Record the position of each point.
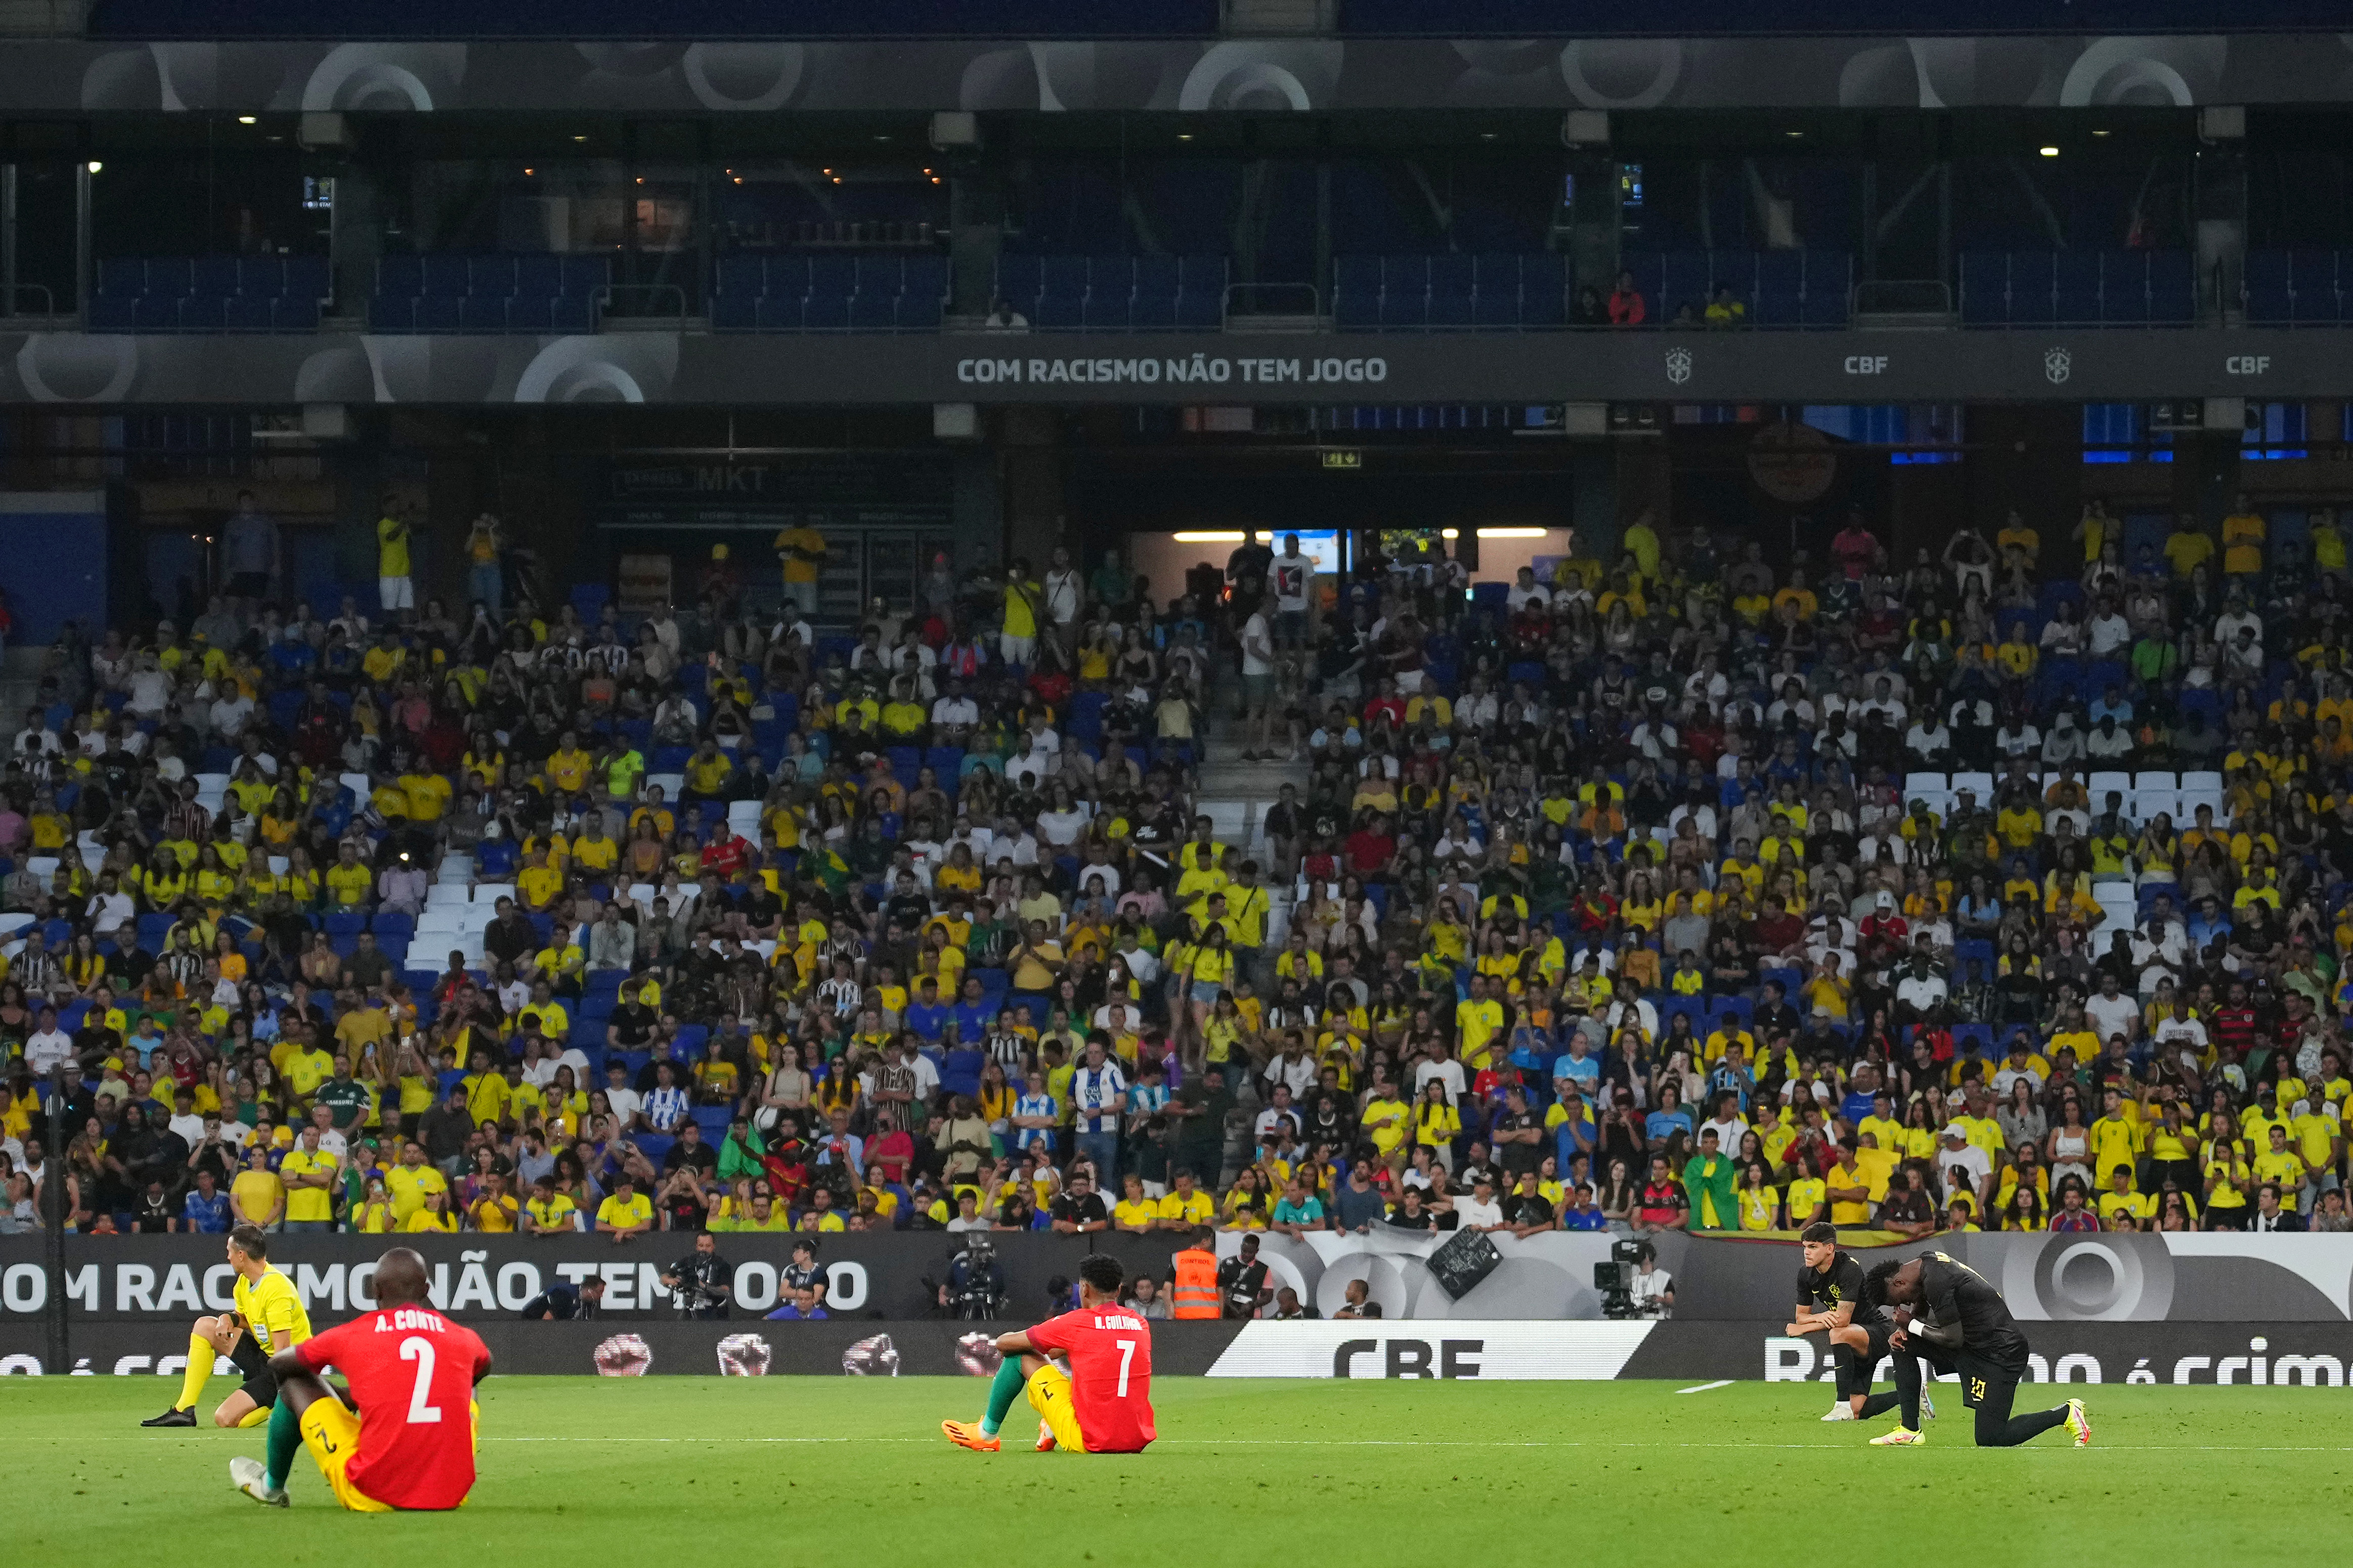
(1704, 1387)
(1480, 1443)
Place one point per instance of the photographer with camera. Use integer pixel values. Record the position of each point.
(1652, 1287)
(564, 1302)
(1241, 1282)
(1632, 1284)
(974, 1289)
(701, 1283)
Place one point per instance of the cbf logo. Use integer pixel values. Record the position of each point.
(1679, 365)
(2057, 363)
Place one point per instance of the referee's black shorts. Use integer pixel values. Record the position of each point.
(260, 1384)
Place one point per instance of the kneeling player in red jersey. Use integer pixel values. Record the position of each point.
(411, 1445)
(1102, 1405)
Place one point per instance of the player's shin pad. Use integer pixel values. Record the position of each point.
(285, 1441)
(1002, 1392)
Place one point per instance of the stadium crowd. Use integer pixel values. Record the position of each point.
(1999, 888)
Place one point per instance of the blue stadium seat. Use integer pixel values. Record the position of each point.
(586, 274)
(490, 277)
(2314, 275)
(573, 312)
(925, 276)
(445, 275)
(1985, 288)
(1019, 278)
(1450, 310)
(400, 276)
(1200, 310)
(2075, 277)
(2124, 286)
(1404, 307)
(921, 313)
(1824, 307)
(1109, 311)
(2034, 289)
(538, 276)
(2172, 288)
(214, 276)
(1544, 299)
(1497, 305)
(529, 313)
(122, 278)
(308, 278)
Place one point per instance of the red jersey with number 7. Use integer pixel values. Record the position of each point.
(1110, 1354)
(412, 1372)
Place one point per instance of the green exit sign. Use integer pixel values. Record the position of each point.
(1348, 459)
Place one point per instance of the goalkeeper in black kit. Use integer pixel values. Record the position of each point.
(1947, 1316)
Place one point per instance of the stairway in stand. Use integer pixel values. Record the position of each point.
(1235, 794)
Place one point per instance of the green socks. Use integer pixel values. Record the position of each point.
(285, 1442)
(1002, 1393)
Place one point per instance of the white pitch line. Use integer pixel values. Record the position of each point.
(1704, 1387)
(1480, 1443)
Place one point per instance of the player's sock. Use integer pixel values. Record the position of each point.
(255, 1417)
(1907, 1390)
(1880, 1405)
(285, 1442)
(2018, 1430)
(199, 1372)
(1002, 1393)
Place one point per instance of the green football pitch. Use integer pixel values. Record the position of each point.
(831, 1470)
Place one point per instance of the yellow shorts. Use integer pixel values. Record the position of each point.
(1049, 1396)
(330, 1430)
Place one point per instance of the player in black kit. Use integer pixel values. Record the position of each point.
(1830, 1301)
(1947, 1316)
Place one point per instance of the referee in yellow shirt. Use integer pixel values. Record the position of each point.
(269, 1317)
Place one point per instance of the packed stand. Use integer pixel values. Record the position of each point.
(2000, 888)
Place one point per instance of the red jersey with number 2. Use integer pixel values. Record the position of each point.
(412, 1374)
(1110, 1353)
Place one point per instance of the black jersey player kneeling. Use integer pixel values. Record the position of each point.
(1947, 1316)
(1831, 1292)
